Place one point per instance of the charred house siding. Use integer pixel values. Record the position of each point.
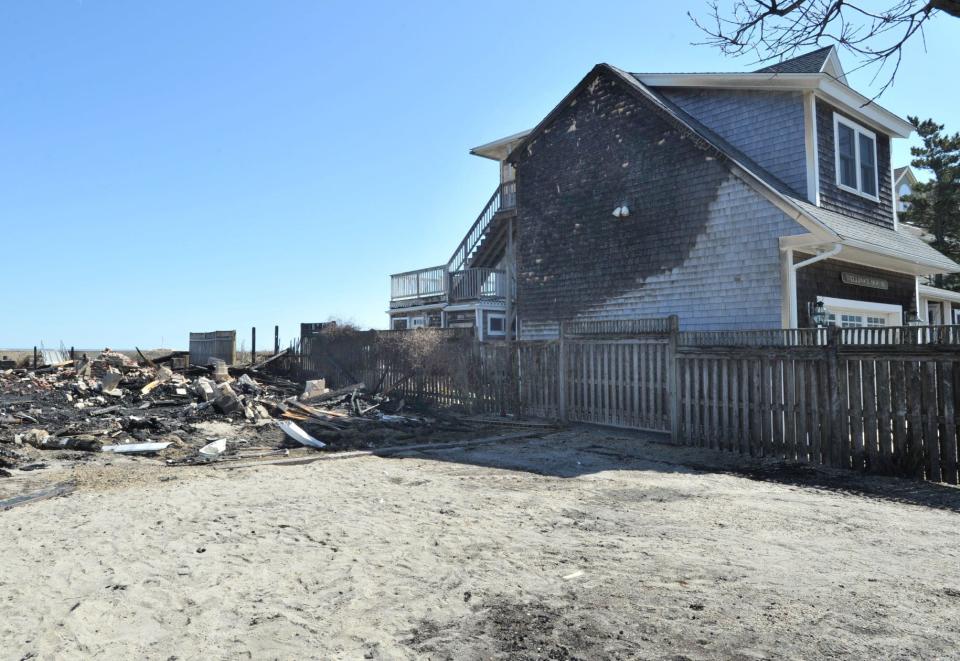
(698, 242)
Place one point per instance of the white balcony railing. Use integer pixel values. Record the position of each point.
(423, 283)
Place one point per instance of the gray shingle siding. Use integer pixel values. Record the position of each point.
(766, 126)
(844, 202)
(698, 241)
(730, 278)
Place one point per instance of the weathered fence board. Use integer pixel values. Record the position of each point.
(883, 400)
(219, 345)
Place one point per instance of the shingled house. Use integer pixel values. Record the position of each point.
(734, 201)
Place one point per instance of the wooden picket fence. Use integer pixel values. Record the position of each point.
(882, 400)
(884, 412)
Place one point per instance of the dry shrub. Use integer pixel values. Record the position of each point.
(338, 328)
(428, 351)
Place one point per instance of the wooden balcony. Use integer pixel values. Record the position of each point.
(424, 285)
(436, 285)
(478, 284)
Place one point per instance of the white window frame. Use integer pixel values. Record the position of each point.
(857, 130)
(406, 320)
(416, 322)
(493, 333)
(839, 306)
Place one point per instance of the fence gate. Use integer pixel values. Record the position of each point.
(615, 373)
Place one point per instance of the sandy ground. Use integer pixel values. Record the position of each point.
(582, 544)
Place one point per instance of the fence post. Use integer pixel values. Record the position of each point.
(515, 378)
(835, 437)
(673, 379)
(562, 377)
(253, 345)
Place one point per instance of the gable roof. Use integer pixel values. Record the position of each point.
(811, 62)
(906, 172)
(825, 225)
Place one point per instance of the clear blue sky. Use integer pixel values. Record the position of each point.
(175, 166)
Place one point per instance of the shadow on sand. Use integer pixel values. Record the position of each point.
(584, 450)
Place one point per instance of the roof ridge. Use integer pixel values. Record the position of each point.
(810, 62)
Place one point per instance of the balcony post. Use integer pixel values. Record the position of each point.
(508, 321)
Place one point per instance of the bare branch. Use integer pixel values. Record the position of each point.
(772, 30)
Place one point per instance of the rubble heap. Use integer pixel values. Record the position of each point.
(112, 405)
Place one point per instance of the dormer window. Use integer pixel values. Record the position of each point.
(856, 158)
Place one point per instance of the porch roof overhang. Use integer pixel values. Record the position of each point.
(929, 292)
(484, 304)
(417, 308)
(865, 254)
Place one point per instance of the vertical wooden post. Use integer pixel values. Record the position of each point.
(34, 358)
(276, 340)
(673, 379)
(253, 345)
(562, 377)
(513, 366)
(509, 277)
(837, 443)
(72, 354)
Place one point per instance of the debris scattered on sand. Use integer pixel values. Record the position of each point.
(113, 405)
(293, 430)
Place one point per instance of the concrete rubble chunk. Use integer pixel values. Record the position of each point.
(226, 400)
(34, 437)
(42, 440)
(248, 385)
(313, 388)
(220, 372)
(205, 388)
(110, 381)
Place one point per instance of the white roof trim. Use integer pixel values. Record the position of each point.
(499, 149)
(864, 306)
(766, 80)
(832, 67)
(908, 175)
(942, 294)
(867, 254)
(830, 88)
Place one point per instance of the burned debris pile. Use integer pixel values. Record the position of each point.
(113, 405)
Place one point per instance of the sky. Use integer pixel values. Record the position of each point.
(169, 167)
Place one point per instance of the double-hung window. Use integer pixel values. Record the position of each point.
(856, 157)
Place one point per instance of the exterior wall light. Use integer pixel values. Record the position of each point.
(819, 315)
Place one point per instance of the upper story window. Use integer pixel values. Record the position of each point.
(856, 157)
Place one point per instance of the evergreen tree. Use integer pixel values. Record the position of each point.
(935, 204)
